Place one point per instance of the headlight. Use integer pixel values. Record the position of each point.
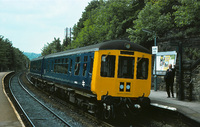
(128, 87)
(121, 86)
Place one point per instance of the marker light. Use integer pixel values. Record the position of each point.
(128, 46)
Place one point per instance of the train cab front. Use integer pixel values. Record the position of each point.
(122, 78)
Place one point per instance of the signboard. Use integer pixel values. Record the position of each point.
(154, 49)
(163, 59)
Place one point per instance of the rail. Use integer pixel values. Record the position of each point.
(38, 101)
(24, 116)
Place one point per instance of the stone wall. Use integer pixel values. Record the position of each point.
(161, 85)
(191, 84)
(196, 84)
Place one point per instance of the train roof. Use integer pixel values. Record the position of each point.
(109, 45)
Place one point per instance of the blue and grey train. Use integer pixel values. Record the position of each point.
(107, 77)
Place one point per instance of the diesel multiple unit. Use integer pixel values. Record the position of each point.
(107, 77)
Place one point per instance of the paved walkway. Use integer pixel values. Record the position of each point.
(7, 115)
(189, 109)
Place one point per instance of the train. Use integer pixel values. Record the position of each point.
(107, 78)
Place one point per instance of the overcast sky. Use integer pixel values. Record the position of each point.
(30, 24)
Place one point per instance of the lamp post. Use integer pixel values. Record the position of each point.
(155, 75)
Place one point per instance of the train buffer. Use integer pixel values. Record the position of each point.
(189, 109)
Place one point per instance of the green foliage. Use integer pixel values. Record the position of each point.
(66, 43)
(106, 20)
(187, 12)
(11, 58)
(53, 47)
(124, 19)
(168, 19)
(153, 17)
(187, 16)
(5, 53)
(192, 53)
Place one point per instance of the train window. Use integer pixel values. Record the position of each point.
(84, 69)
(39, 65)
(91, 65)
(108, 66)
(85, 58)
(85, 65)
(66, 68)
(62, 60)
(55, 68)
(52, 66)
(70, 69)
(59, 68)
(77, 66)
(142, 68)
(126, 67)
(48, 66)
(66, 60)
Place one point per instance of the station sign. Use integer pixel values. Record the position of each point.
(154, 49)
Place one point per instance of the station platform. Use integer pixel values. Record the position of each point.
(8, 117)
(187, 108)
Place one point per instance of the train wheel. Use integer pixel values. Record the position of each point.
(108, 112)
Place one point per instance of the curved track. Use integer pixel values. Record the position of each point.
(160, 117)
(39, 114)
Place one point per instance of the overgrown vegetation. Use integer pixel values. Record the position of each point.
(124, 19)
(11, 58)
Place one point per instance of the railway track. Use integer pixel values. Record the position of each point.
(40, 118)
(36, 111)
(70, 106)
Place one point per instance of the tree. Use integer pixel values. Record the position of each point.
(53, 47)
(153, 17)
(106, 21)
(57, 43)
(66, 42)
(11, 58)
(187, 16)
(5, 54)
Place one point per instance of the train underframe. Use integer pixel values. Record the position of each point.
(108, 108)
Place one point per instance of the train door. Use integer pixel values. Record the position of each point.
(143, 75)
(125, 75)
(86, 73)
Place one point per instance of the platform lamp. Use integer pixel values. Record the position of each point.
(155, 76)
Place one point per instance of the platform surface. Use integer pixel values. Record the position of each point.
(190, 109)
(8, 117)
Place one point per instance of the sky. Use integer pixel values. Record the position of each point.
(30, 24)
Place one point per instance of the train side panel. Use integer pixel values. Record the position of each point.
(70, 70)
(36, 67)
